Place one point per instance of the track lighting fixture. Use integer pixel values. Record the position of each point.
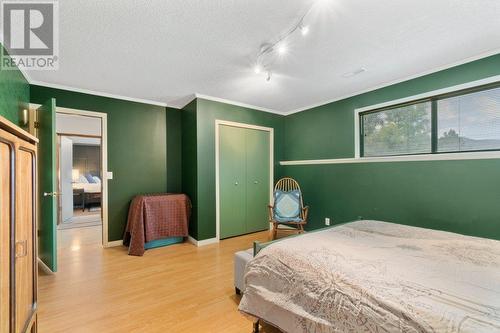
(267, 55)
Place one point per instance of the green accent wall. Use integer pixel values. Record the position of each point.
(199, 145)
(190, 163)
(157, 149)
(14, 93)
(137, 147)
(459, 196)
(174, 152)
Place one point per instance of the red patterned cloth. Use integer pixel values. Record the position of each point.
(156, 216)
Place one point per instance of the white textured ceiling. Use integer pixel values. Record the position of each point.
(165, 51)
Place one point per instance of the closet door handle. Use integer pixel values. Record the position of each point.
(50, 194)
(21, 248)
(255, 181)
(236, 183)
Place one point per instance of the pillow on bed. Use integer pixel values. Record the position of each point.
(287, 206)
(90, 178)
(83, 180)
(97, 180)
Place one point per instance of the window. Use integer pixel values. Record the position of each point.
(399, 131)
(469, 122)
(458, 122)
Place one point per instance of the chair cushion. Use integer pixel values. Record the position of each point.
(287, 206)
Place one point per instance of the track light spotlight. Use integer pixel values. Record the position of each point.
(304, 30)
(282, 49)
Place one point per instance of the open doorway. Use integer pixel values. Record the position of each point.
(81, 179)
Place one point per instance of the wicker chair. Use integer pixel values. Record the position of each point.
(288, 184)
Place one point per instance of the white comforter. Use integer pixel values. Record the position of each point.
(88, 187)
(372, 276)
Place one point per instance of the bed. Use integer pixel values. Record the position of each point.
(86, 193)
(373, 276)
(88, 187)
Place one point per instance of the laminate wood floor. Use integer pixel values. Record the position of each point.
(179, 288)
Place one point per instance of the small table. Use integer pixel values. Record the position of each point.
(156, 216)
(78, 198)
(91, 198)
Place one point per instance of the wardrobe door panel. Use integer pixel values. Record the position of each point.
(24, 240)
(5, 216)
(231, 181)
(257, 177)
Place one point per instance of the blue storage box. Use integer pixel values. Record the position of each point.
(163, 242)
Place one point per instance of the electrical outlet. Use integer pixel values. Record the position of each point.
(327, 221)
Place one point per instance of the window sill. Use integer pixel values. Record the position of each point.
(405, 158)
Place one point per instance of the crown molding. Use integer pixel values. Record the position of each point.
(182, 106)
(390, 83)
(85, 91)
(258, 108)
(231, 102)
(95, 93)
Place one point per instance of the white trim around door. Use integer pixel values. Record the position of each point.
(219, 123)
(104, 159)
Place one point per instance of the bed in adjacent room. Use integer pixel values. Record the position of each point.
(87, 191)
(88, 187)
(89, 183)
(372, 276)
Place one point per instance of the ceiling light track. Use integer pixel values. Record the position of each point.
(279, 47)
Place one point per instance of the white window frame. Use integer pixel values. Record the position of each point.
(427, 157)
(481, 155)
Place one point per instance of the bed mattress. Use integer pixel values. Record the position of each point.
(373, 276)
(88, 187)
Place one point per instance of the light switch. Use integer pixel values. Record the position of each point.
(109, 175)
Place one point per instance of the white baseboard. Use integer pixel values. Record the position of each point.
(44, 267)
(202, 242)
(115, 243)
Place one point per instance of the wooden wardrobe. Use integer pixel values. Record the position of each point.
(18, 249)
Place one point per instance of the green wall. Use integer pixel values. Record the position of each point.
(174, 152)
(14, 93)
(205, 115)
(146, 155)
(137, 147)
(189, 162)
(459, 196)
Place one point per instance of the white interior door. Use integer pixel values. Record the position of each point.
(66, 165)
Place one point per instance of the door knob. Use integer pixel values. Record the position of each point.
(255, 181)
(235, 183)
(50, 194)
